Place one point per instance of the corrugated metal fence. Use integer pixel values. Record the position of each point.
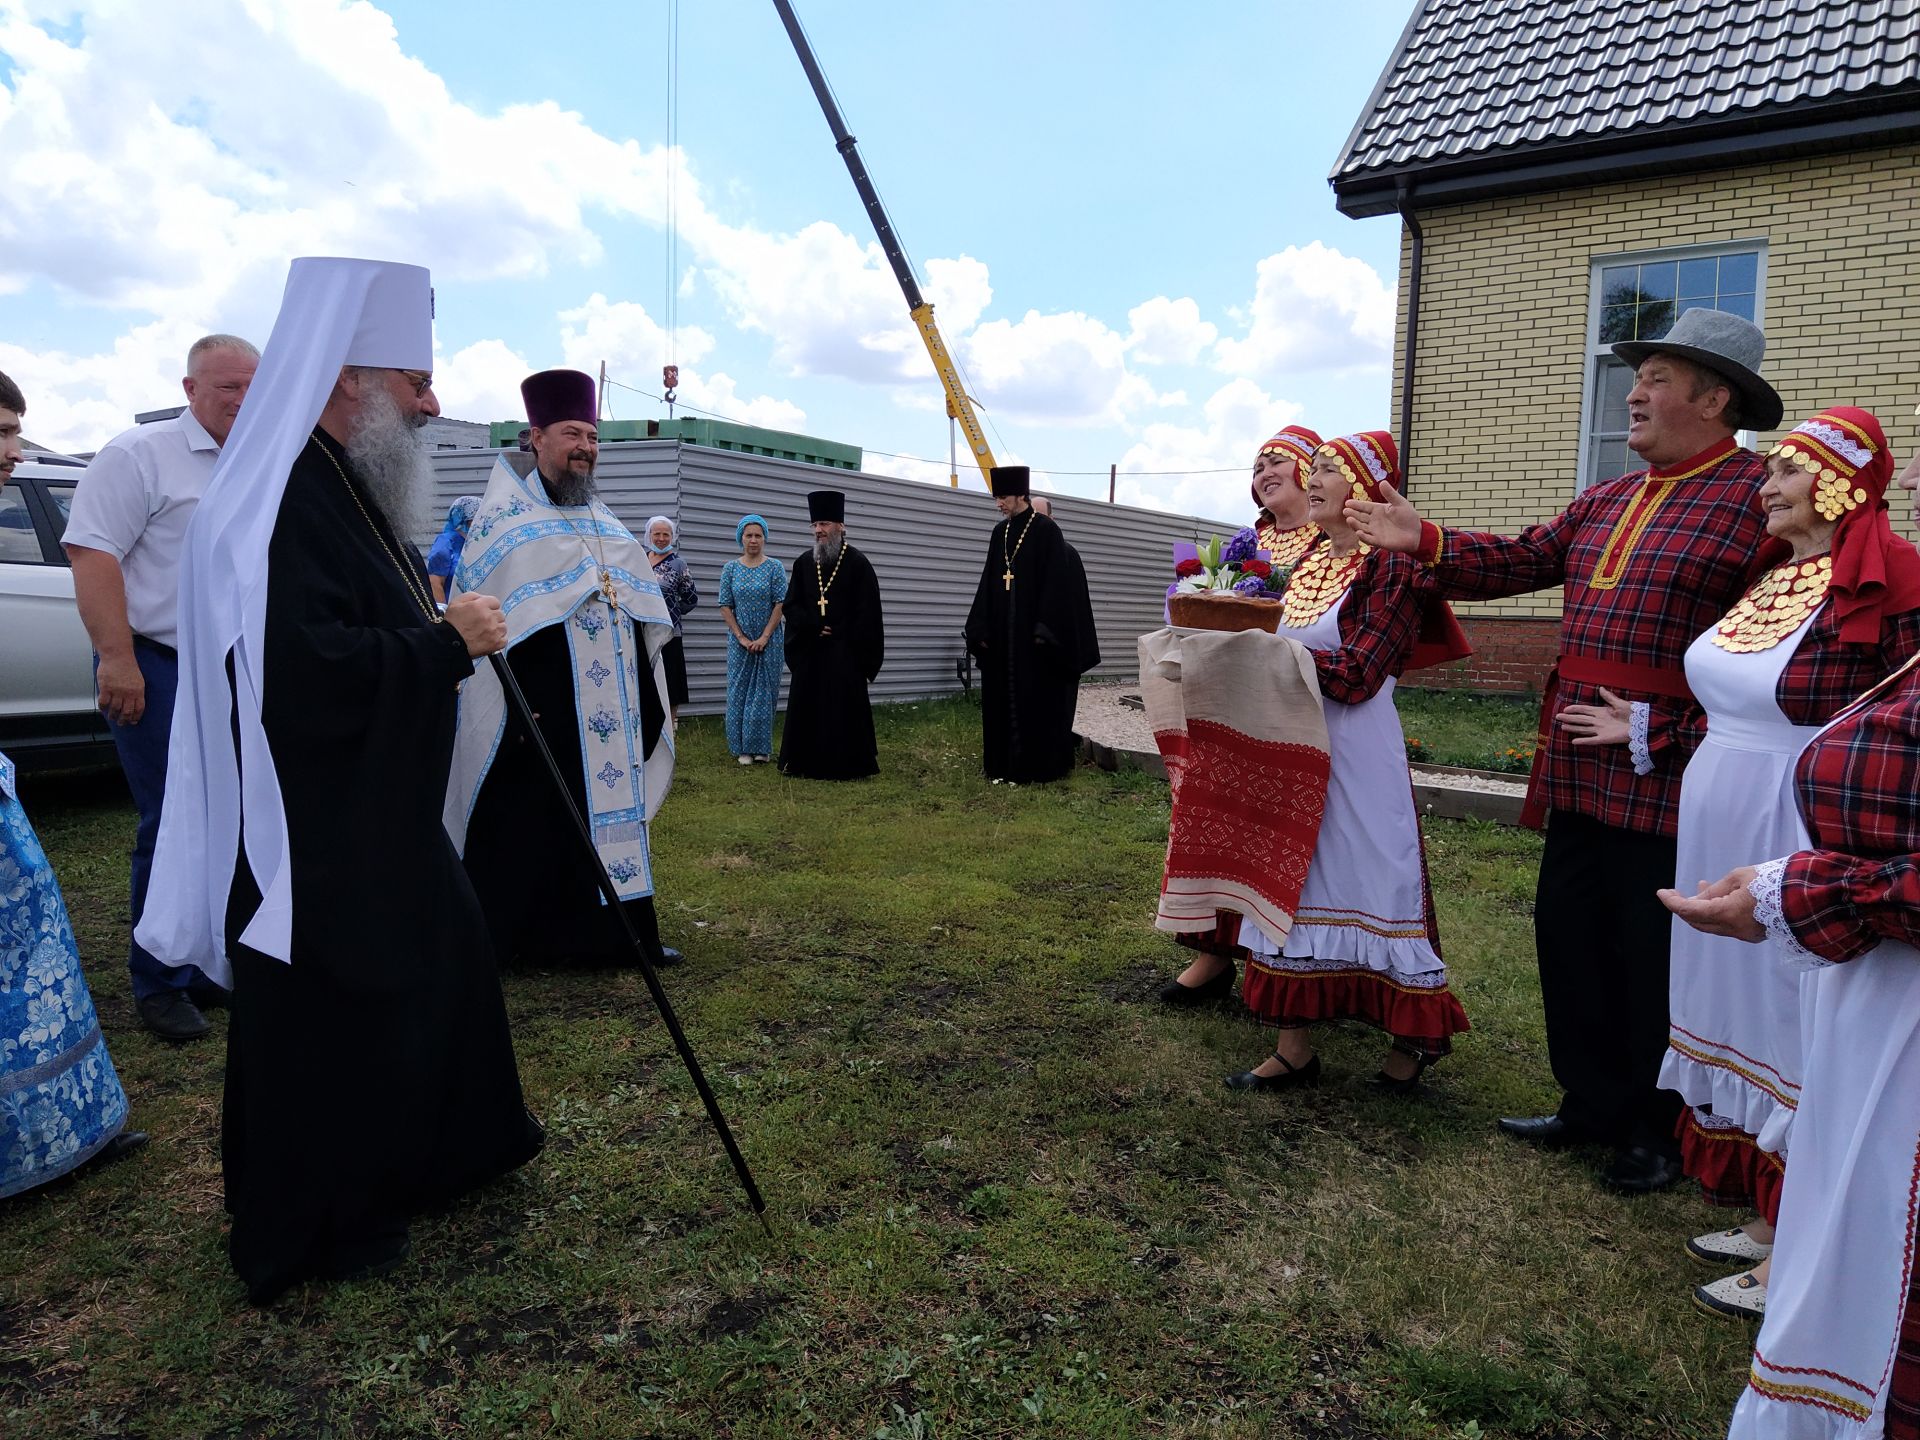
(927, 544)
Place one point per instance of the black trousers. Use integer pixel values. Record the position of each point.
(1602, 939)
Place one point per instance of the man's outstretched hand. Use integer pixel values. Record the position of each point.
(1390, 524)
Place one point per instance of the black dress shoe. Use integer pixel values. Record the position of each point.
(1292, 1077)
(172, 1015)
(210, 996)
(118, 1148)
(1403, 1084)
(669, 956)
(1638, 1170)
(1218, 988)
(1549, 1132)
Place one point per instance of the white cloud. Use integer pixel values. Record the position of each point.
(631, 342)
(1168, 332)
(1065, 369)
(482, 382)
(1235, 419)
(78, 402)
(1313, 309)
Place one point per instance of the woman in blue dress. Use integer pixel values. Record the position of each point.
(753, 595)
(61, 1104)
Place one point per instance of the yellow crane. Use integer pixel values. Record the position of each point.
(960, 409)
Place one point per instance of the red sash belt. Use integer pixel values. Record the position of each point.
(1668, 680)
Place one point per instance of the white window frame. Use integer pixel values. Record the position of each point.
(1596, 352)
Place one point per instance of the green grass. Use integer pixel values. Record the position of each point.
(1009, 1195)
(1460, 727)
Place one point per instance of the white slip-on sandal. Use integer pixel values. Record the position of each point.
(1740, 1297)
(1728, 1247)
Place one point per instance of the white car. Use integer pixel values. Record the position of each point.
(48, 717)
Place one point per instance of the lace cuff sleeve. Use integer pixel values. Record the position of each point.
(1765, 889)
(1637, 738)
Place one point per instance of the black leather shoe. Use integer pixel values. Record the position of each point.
(670, 956)
(1549, 1132)
(1403, 1084)
(172, 1015)
(1218, 988)
(118, 1148)
(1637, 1170)
(1294, 1076)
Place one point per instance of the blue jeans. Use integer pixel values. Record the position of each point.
(143, 757)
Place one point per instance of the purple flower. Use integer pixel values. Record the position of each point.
(1252, 586)
(1240, 547)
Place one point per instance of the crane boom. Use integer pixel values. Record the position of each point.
(959, 403)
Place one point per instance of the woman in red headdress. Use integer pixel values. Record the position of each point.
(1841, 906)
(1363, 944)
(1285, 532)
(1839, 611)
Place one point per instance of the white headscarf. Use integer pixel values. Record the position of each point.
(335, 312)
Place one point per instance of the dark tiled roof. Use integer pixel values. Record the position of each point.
(1487, 82)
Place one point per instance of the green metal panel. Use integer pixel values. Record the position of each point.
(719, 434)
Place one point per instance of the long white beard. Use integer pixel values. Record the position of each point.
(391, 464)
(827, 552)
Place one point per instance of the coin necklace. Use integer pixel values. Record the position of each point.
(422, 596)
(1777, 605)
(1316, 583)
(1285, 547)
(1007, 579)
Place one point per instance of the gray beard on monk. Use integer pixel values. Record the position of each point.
(827, 552)
(391, 463)
(569, 488)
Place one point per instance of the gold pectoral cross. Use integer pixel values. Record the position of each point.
(1007, 579)
(822, 603)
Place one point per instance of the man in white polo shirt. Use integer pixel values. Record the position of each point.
(124, 538)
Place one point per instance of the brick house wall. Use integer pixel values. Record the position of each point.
(1503, 339)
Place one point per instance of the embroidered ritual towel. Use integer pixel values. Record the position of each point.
(1238, 720)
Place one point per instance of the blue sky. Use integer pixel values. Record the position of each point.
(1120, 209)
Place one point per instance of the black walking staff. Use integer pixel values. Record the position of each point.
(517, 702)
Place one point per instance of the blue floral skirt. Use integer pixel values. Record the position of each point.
(60, 1100)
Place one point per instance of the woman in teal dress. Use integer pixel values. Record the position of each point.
(61, 1103)
(753, 595)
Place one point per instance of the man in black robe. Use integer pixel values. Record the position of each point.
(835, 645)
(523, 849)
(370, 1072)
(1031, 629)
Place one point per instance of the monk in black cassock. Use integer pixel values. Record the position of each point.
(1031, 629)
(523, 849)
(370, 1072)
(835, 644)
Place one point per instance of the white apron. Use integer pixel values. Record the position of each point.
(1364, 902)
(1734, 1031)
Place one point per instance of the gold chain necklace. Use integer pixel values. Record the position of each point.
(1007, 579)
(837, 560)
(599, 557)
(1317, 582)
(1285, 547)
(1777, 605)
(422, 596)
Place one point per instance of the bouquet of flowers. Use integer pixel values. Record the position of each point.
(1234, 567)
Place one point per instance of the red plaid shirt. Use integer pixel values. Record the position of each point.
(1379, 622)
(1859, 790)
(1647, 562)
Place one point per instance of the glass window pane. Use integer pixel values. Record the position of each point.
(1616, 283)
(1616, 323)
(1697, 278)
(1741, 305)
(1657, 281)
(19, 542)
(1615, 383)
(1739, 274)
(1615, 460)
(1656, 318)
(62, 496)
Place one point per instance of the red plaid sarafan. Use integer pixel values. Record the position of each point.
(1646, 563)
(1859, 787)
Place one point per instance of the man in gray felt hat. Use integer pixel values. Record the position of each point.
(1647, 563)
